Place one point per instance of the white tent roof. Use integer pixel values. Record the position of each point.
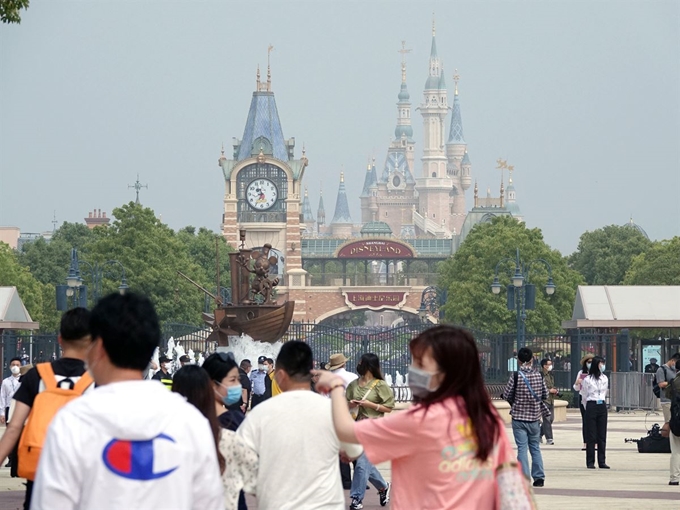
(13, 313)
(626, 306)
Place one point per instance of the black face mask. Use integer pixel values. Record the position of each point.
(361, 370)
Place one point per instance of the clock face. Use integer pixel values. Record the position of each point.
(262, 194)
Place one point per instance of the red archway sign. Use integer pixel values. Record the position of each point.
(375, 249)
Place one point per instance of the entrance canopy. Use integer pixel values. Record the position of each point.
(13, 313)
(626, 306)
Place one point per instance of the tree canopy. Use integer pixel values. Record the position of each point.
(468, 274)
(38, 298)
(10, 10)
(149, 251)
(604, 255)
(659, 265)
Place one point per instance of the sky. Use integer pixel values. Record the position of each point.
(582, 97)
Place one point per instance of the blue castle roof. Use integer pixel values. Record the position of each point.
(456, 131)
(341, 206)
(263, 129)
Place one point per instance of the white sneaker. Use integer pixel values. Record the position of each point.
(550, 441)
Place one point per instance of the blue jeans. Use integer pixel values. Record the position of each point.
(529, 433)
(365, 472)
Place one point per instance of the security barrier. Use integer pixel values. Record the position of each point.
(632, 390)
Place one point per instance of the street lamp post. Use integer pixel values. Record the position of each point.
(521, 293)
(75, 287)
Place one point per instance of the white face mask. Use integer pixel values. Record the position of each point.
(261, 367)
(166, 366)
(550, 367)
(603, 368)
(15, 370)
(419, 381)
(588, 366)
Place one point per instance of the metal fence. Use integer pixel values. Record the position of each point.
(31, 349)
(631, 390)
(497, 351)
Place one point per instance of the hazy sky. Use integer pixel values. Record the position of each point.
(581, 97)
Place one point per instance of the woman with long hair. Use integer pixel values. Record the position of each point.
(594, 392)
(193, 383)
(447, 450)
(240, 472)
(585, 367)
(369, 397)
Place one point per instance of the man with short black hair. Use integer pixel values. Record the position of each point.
(74, 339)
(184, 360)
(283, 427)
(129, 442)
(527, 391)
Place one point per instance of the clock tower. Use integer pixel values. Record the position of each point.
(262, 187)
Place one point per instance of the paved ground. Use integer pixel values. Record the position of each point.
(636, 481)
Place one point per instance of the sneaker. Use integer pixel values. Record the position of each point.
(356, 504)
(540, 482)
(385, 494)
(550, 441)
(673, 483)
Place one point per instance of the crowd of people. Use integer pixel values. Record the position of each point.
(90, 431)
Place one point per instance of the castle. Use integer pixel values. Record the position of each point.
(422, 208)
(424, 202)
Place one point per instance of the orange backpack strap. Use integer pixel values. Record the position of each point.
(83, 383)
(50, 380)
(47, 375)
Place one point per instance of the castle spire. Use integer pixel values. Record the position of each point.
(341, 205)
(321, 211)
(456, 130)
(307, 215)
(403, 127)
(434, 77)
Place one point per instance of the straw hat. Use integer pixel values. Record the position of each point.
(336, 361)
(586, 358)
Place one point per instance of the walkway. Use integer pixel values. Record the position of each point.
(635, 480)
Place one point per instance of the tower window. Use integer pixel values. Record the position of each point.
(434, 174)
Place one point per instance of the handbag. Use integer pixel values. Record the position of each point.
(513, 490)
(355, 410)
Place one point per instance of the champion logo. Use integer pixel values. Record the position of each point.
(134, 459)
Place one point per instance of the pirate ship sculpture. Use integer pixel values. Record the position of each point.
(253, 310)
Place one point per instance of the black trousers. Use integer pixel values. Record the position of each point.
(596, 433)
(583, 419)
(257, 399)
(29, 493)
(346, 475)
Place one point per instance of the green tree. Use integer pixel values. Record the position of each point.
(38, 298)
(604, 255)
(468, 274)
(151, 253)
(10, 10)
(659, 265)
(49, 261)
(201, 247)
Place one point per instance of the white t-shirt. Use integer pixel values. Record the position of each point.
(346, 376)
(128, 445)
(298, 449)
